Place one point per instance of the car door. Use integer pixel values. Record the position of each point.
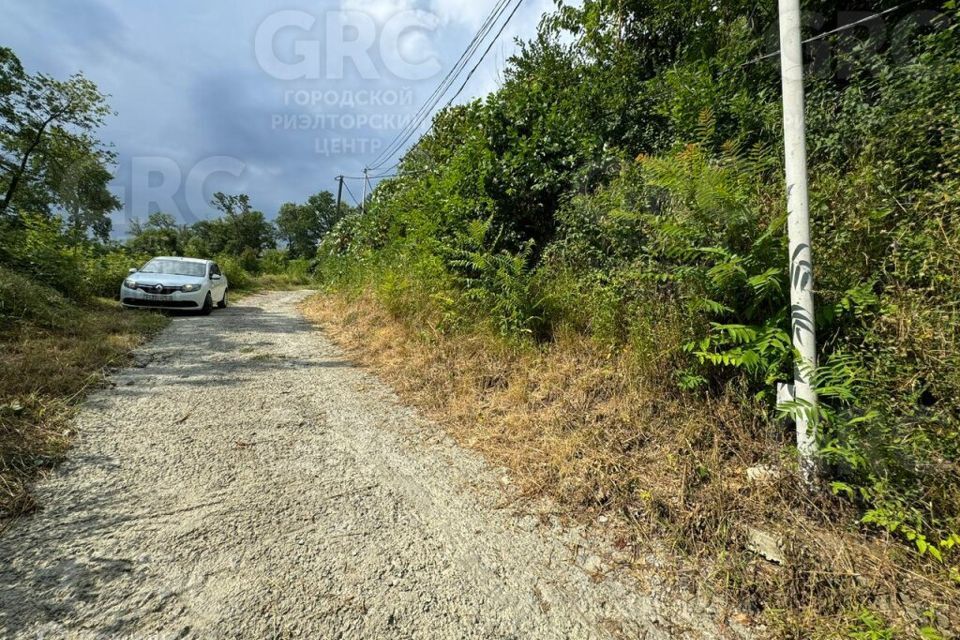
(218, 285)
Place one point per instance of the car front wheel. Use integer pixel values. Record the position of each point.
(207, 305)
(223, 302)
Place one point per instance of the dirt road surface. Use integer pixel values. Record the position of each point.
(245, 480)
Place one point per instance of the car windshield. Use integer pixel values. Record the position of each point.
(176, 268)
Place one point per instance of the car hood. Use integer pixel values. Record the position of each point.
(165, 279)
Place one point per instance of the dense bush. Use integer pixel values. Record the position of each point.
(24, 301)
(38, 247)
(107, 270)
(233, 268)
(626, 183)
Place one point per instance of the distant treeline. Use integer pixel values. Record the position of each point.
(55, 205)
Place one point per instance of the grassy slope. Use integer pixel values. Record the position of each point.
(52, 351)
(600, 434)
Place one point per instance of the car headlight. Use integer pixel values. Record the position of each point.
(187, 288)
(130, 283)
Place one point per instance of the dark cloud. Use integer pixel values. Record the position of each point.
(85, 32)
(185, 81)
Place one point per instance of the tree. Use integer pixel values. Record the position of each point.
(240, 228)
(160, 236)
(302, 226)
(38, 116)
(79, 179)
(231, 205)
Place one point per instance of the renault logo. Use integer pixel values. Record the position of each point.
(158, 288)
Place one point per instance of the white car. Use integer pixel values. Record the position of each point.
(175, 283)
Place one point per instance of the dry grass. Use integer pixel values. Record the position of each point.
(45, 369)
(600, 433)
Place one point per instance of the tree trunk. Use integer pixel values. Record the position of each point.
(18, 174)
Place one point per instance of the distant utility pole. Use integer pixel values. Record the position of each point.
(798, 227)
(339, 192)
(363, 201)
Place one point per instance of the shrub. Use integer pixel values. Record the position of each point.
(105, 272)
(298, 271)
(273, 261)
(22, 300)
(35, 245)
(248, 260)
(238, 277)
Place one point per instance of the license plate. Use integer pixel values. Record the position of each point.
(151, 296)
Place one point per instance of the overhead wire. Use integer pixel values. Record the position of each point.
(825, 34)
(484, 55)
(426, 110)
(470, 74)
(385, 174)
(430, 103)
(347, 187)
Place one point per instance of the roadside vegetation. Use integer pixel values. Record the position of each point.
(52, 350)
(61, 328)
(584, 276)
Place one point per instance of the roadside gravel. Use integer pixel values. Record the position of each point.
(245, 480)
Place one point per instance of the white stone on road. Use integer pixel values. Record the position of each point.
(244, 479)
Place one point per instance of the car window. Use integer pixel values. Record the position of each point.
(215, 269)
(175, 268)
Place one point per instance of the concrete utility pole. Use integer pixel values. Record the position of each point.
(798, 227)
(339, 192)
(363, 201)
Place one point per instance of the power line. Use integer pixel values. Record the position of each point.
(427, 109)
(353, 197)
(431, 102)
(470, 75)
(825, 34)
(379, 175)
(498, 9)
(385, 174)
(490, 46)
(393, 147)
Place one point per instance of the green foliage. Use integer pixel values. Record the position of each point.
(233, 268)
(35, 245)
(41, 249)
(49, 157)
(243, 237)
(23, 300)
(497, 282)
(298, 270)
(279, 262)
(626, 182)
(159, 236)
(302, 226)
(105, 270)
(273, 261)
(869, 626)
(240, 229)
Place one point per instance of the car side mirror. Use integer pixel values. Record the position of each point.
(132, 270)
(215, 276)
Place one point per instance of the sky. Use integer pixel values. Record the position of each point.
(272, 100)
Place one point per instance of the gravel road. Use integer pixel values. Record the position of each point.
(243, 479)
